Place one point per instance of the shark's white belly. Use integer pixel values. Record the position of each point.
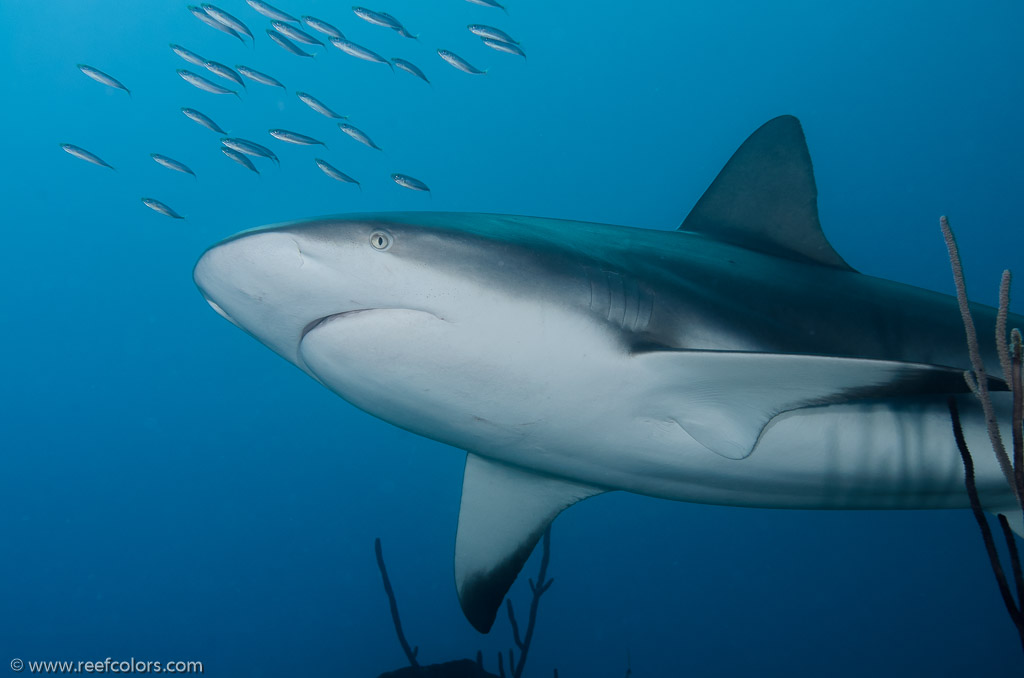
(586, 412)
(876, 455)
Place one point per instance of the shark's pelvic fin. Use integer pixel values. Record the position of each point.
(724, 399)
(765, 198)
(504, 512)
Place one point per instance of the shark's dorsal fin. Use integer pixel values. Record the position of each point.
(724, 399)
(765, 198)
(504, 511)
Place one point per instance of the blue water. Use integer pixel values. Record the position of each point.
(171, 489)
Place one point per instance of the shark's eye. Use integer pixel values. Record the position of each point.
(380, 240)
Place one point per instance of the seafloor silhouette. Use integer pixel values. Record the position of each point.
(467, 668)
(460, 668)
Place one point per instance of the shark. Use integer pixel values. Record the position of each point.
(738, 360)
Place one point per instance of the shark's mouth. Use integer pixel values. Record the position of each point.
(355, 348)
(328, 318)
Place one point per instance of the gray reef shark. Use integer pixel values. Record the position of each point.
(738, 360)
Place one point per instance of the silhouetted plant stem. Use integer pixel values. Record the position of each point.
(1017, 418)
(538, 589)
(978, 380)
(410, 653)
(986, 531)
(1001, 317)
(1011, 546)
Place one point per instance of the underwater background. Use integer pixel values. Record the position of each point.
(170, 489)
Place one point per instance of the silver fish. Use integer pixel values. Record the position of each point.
(85, 155)
(204, 84)
(259, 77)
(270, 11)
(375, 18)
(202, 119)
(201, 14)
(287, 44)
(506, 47)
(335, 173)
(359, 52)
(188, 55)
(296, 34)
(171, 163)
(489, 3)
(357, 134)
(102, 78)
(239, 158)
(223, 71)
(397, 26)
(227, 19)
(491, 32)
(295, 138)
(249, 148)
(382, 19)
(160, 207)
(322, 26)
(410, 182)
(317, 105)
(459, 63)
(410, 68)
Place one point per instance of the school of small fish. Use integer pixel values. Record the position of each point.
(289, 32)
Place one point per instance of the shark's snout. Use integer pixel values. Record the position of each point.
(262, 282)
(250, 258)
(204, 275)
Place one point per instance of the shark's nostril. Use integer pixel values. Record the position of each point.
(220, 311)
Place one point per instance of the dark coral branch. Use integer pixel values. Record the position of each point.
(410, 653)
(979, 516)
(538, 589)
(1002, 314)
(1011, 547)
(979, 380)
(512, 621)
(1017, 418)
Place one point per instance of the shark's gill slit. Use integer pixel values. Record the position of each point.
(600, 293)
(632, 310)
(644, 311)
(616, 298)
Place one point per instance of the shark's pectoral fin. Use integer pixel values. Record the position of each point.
(724, 399)
(504, 512)
(1014, 516)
